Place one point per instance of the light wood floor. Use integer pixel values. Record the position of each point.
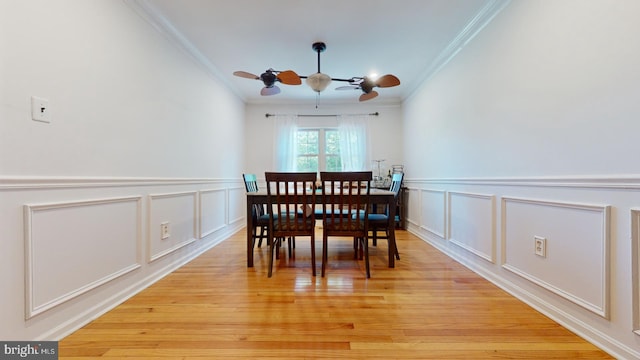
(428, 307)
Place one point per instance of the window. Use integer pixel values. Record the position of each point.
(318, 150)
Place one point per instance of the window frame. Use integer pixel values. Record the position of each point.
(322, 154)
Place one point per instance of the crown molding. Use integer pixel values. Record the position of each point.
(162, 25)
(473, 27)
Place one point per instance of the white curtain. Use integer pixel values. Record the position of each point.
(286, 127)
(355, 148)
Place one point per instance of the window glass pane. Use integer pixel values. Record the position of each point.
(334, 163)
(301, 142)
(307, 146)
(332, 141)
(312, 152)
(313, 142)
(307, 163)
(308, 142)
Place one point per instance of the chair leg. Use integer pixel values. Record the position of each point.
(313, 254)
(365, 244)
(253, 237)
(395, 246)
(262, 235)
(273, 245)
(356, 248)
(324, 253)
(253, 240)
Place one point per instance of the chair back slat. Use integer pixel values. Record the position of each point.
(346, 201)
(251, 185)
(345, 208)
(289, 195)
(396, 182)
(250, 182)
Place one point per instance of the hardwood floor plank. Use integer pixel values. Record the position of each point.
(428, 307)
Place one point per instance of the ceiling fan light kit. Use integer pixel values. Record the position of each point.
(318, 82)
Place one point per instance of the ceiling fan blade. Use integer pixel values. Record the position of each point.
(246, 75)
(369, 96)
(348, 87)
(388, 81)
(266, 91)
(289, 77)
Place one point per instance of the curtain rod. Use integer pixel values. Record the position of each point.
(314, 115)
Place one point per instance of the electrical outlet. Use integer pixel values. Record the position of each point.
(164, 230)
(540, 244)
(40, 109)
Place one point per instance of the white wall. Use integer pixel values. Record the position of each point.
(140, 134)
(531, 130)
(385, 129)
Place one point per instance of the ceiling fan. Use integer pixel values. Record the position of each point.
(366, 84)
(269, 79)
(319, 81)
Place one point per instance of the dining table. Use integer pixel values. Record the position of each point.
(376, 197)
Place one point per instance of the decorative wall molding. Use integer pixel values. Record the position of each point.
(635, 278)
(629, 182)
(56, 234)
(209, 213)
(414, 201)
(237, 204)
(181, 213)
(433, 214)
(160, 23)
(473, 27)
(474, 217)
(577, 231)
(22, 183)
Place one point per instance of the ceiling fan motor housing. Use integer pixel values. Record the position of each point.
(268, 78)
(367, 85)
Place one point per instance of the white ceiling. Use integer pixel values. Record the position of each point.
(407, 38)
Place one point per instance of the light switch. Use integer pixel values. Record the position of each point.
(40, 109)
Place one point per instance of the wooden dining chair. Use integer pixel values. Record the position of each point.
(345, 209)
(380, 222)
(258, 213)
(287, 194)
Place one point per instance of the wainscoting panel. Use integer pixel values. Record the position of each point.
(635, 240)
(472, 223)
(433, 217)
(75, 246)
(237, 205)
(179, 212)
(578, 232)
(414, 201)
(212, 211)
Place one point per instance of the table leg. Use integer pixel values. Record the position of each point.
(392, 232)
(250, 227)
